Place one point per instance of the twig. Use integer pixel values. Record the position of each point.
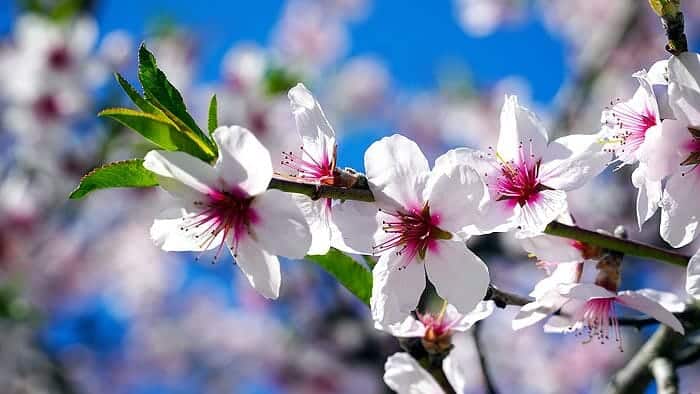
(488, 380)
(672, 21)
(665, 375)
(361, 192)
(636, 375)
(504, 298)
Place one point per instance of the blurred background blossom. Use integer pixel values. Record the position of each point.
(89, 305)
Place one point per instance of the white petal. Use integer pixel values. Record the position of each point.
(658, 78)
(684, 86)
(353, 226)
(560, 325)
(191, 175)
(552, 249)
(647, 306)
(404, 375)
(459, 276)
(662, 149)
(680, 207)
(563, 274)
(395, 293)
(648, 194)
(316, 132)
(571, 161)
(585, 291)
(536, 311)
(537, 213)
(167, 233)
(280, 225)
(260, 267)
(408, 328)
(397, 171)
(317, 215)
(311, 121)
(520, 129)
(692, 281)
(482, 310)
(454, 197)
(243, 161)
(669, 301)
(454, 372)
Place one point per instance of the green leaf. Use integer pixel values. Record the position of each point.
(136, 97)
(127, 173)
(161, 93)
(278, 81)
(213, 121)
(347, 271)
(155, 127)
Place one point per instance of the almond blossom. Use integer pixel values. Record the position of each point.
(528, 177)
(315, 162)
(593, 310)
(421, 211)
(433, 328)
(228, 206)
(404, 375)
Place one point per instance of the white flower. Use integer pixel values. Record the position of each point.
(692, 281)
(593, 311)
(528, 177)
(435, 326)
(421, 211)
(228, 204)
(680, 209)
(314, 161)
(404, 375)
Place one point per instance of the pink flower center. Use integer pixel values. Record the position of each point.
(59, 58)
(518, 182)
(435, 326)
(632, 127)
(46, 108)
(309, 168)
(223, 216)
(599, 321)
(411, 233)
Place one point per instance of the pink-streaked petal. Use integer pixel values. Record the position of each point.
(190, 176)
(541, 210)
(571, 161)
(482, 310)
(279, 225)
(680, 209)
(662, 149)
(692, 281)
(404, 375)
(584, 291)
(397, 171)
(649, 307)
(168, 234)
(243, 161)
(395, 292)
(261, 268)
(353, 226)
(520, 129)
(455, 197)
(459, 276)
(648, 195)
(408, 328)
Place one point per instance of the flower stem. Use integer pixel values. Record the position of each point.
(361, 192)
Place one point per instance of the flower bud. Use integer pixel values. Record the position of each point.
(665, 7)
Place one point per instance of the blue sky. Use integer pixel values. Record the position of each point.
(414, 40)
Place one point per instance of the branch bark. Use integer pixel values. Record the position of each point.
(361, 192)
(665, 375)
